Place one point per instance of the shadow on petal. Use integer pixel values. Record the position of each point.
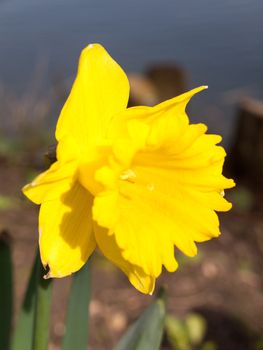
(65, 231)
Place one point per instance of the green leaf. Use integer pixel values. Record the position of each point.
(6, 291)
(42, 309)
(76, 336)
(196, 327)
(146, 333)
(177, 333)
(28, 321)
(185, 334)
(25, 322)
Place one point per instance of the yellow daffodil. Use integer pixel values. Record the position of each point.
(136, 182)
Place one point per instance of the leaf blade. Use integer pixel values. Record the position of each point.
(42, 308)
(146, 333)
(31, 319)
(25, 322)
(76, 336)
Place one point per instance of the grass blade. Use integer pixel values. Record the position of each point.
(76, 336)
(6, 291)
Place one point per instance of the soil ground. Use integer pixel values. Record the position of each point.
(224, 282)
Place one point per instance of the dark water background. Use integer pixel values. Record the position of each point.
(220, 43)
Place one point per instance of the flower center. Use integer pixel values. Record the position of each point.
(128, 175)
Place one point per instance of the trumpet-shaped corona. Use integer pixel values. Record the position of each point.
(136, 182)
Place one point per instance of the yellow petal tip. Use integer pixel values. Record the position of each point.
(47, 276)
(200, 88)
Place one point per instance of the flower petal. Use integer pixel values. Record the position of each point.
(101, 90)
(141, 228)
(137, 277)
(173, 108)
(65, 232)
(166, 196)
(52, 183)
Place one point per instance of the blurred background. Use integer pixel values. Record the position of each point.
(166, 47)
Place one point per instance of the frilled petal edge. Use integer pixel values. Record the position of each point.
(166, 194)
(137, 277)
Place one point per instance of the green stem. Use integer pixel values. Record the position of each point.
(76, 336)
(42, 310)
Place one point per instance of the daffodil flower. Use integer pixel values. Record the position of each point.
(134, 182)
